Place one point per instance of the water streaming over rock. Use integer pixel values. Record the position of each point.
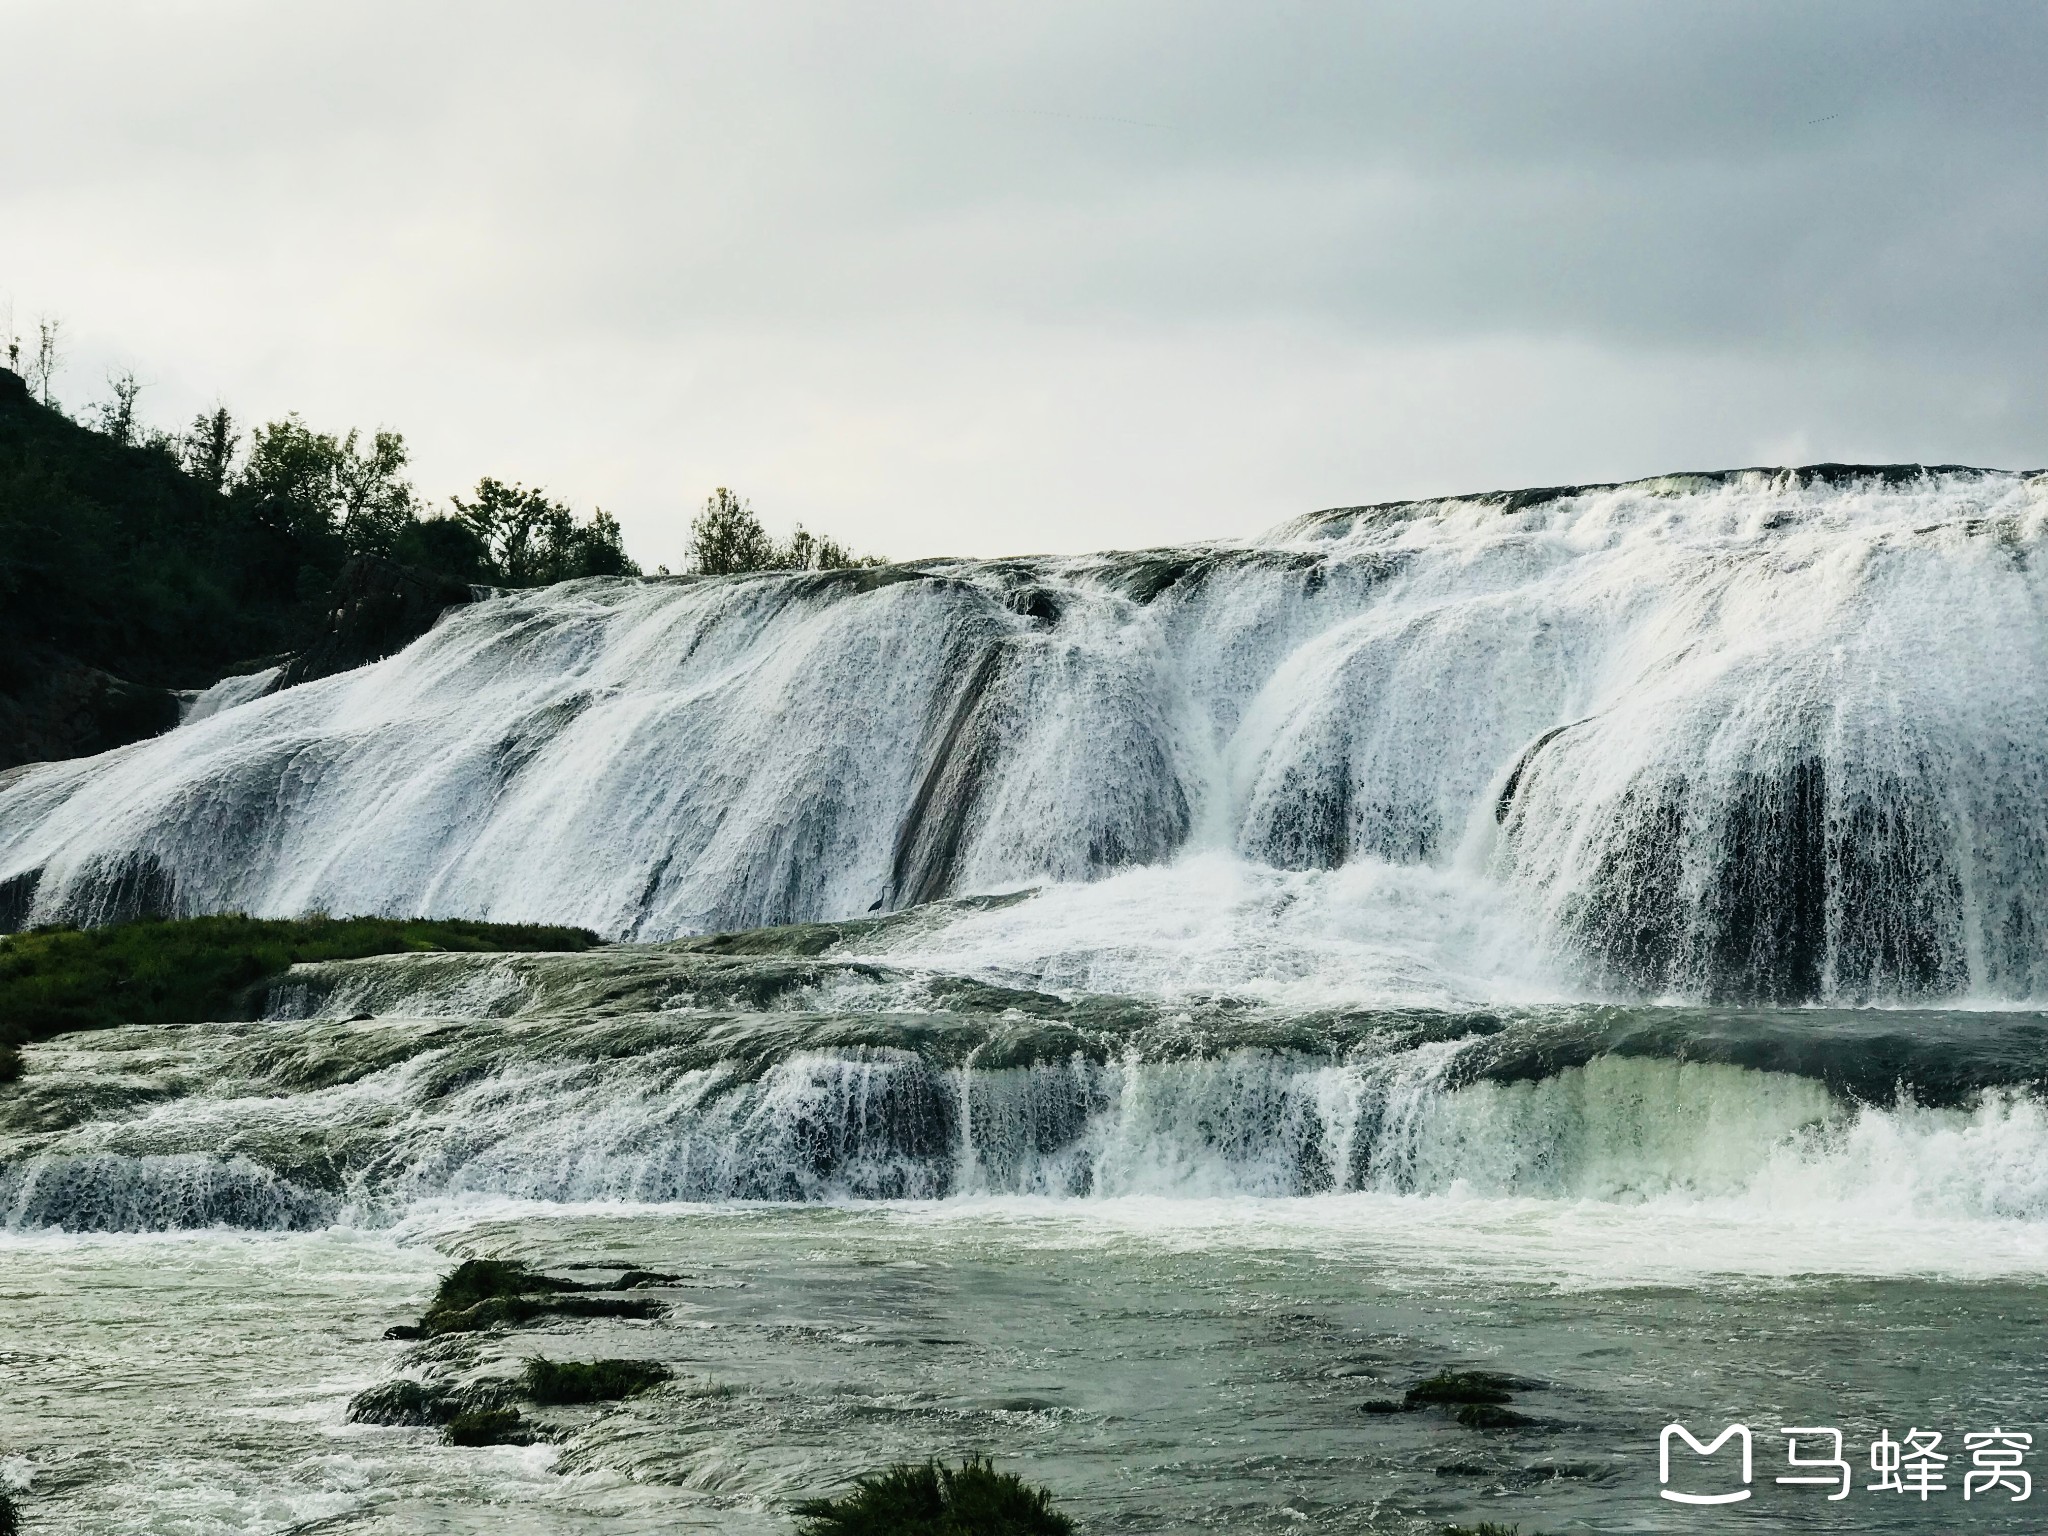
(1420, 849)
(1765, 735)
(826, 1072)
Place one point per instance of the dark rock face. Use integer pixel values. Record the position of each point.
(53, 707)
(378, 607)
(63, 708)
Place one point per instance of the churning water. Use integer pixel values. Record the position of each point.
(1598, 934)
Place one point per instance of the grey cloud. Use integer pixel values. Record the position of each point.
(750, 225)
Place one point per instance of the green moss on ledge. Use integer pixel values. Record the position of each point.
(194, 969)
(560, 1382)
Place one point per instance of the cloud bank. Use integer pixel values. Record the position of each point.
(1001, 278)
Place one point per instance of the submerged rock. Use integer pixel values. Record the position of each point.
(1477, 1399)
(1491, 1416)
(1463, 1387)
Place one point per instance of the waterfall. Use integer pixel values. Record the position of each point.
(1764, 735)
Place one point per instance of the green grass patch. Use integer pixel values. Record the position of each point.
(932, 1500)
(556, 1383)
(194, 969)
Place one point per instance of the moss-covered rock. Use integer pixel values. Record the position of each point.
(401, 1402)
(481, 1294)
(199, 969)
(562, 1382)
(932, 1500)
(488, 1426)
(642, 1279)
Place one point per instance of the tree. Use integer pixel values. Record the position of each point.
(117, 416)
(807, 551)
(530, 539)
(311, 484)
(289, 478)
(516, 526)
(727, 538)
(374, 504)
(603, 547)
(209, 448)
(42, 368)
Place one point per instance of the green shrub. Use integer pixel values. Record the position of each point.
(194, 969)
(558, 1382)
(10, 1518)
(931, 1500)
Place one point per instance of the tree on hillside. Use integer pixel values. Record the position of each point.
(727, 538)
(288, 478)
(373, 503)
(209, 447)
(311, 485)
(117, 416)
(42, 368)
(529, 539)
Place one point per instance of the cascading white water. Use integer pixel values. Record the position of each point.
(402, 1113)
(1761, 735)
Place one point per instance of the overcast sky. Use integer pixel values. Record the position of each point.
(979, 278)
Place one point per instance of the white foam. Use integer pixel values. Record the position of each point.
(1212, 923)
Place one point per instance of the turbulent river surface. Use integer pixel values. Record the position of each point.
(1122, 1015)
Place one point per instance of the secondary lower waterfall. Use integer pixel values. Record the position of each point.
(814, 1065)
(1771, 735)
